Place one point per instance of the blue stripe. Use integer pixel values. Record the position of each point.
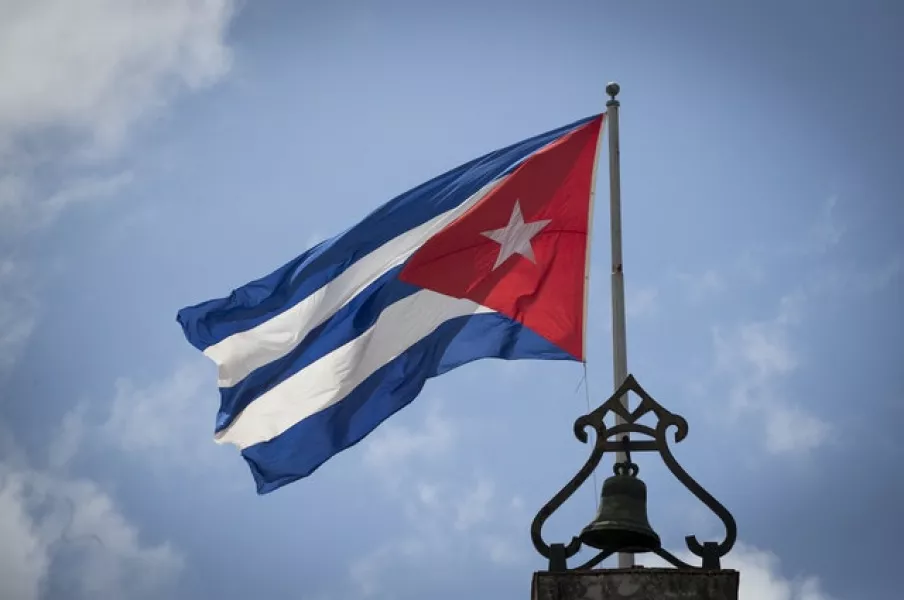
(299, 451)
(210, 322)
(343, 326)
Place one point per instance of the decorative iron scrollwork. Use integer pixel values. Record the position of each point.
(610, 439)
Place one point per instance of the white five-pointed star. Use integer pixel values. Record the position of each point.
(515, 237)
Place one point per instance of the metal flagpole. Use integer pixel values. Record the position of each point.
(619, 339)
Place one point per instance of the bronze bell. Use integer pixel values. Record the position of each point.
(621, 523)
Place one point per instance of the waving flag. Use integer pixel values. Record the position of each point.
(486, 261)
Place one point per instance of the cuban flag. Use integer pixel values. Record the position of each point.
(488, 260)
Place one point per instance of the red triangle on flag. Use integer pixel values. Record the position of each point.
(522, 249)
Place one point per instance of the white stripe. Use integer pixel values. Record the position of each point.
(240, 354)
(331, 378)
(596, 161)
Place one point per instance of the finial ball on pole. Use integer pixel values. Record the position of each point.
(613, 89)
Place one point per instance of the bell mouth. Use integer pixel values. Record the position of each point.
(621, 540)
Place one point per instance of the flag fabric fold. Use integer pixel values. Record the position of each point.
(488, 260)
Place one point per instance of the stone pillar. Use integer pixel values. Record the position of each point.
(636, 584)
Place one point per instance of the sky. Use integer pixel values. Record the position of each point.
(154, 155)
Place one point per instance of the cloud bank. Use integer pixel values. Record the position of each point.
(79, 78)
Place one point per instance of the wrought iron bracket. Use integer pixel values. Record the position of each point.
(610, 439)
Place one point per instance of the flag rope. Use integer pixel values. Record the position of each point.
(586, 382)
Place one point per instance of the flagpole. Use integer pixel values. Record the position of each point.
(619, 329)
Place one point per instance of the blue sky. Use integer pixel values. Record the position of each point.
(154, 157)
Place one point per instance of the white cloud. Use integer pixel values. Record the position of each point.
(826, 232)
(640, 301)
(475, 507)
(449, 520)
(26, 210)
(393, 446)
(77, 77)
(761, 575)
(167, 423)
(860, 279)
(765, 347)
(93, 68)
(814, 241)
(700, 287)
(64, 533)
(165, 416)
(370, 573)
(449, 526)
(503, 550)
(752, 266)
(87, 189)
(749, 268)
(163, 422)
(788, 429)
(879, 279)
(756, 357)
(24, 560)
(67, 442)
(18, 313)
